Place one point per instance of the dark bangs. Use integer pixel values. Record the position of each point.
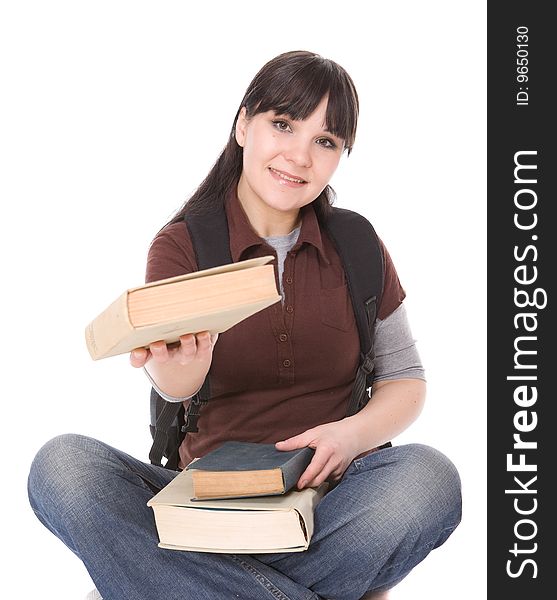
(294, 83)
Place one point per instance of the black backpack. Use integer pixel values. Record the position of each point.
(357, 244)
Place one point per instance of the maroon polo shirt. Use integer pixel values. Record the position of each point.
(290, 366)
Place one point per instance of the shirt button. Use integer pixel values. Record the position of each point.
(289, 280)
(289, 309)
(283, 337)
(286, 363)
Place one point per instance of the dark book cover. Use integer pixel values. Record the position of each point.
(251, 456)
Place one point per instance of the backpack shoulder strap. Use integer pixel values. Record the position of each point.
(211, 243)
(210, 238)
(358, 247)
(360, 251)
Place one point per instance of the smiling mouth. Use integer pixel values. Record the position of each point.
(287, 177)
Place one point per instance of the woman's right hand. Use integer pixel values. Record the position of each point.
(175, 367)
(189, 348)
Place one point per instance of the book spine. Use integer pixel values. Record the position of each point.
(295, 466)
(105, 331)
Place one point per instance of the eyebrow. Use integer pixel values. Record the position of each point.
(333, 134)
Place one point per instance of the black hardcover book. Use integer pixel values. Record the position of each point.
(245, 469)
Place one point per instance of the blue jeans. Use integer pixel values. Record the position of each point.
(390, 509)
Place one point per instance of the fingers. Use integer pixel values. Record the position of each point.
(195, 347)
(297, 441)
(159, 351)
(186, 350)
(204, 345)
(138, 357)
(189, 347)
(322, 462)
(320, 467)
(331, 457)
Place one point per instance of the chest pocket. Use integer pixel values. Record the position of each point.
(336, 308)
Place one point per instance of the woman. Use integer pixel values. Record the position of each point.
(284, 375)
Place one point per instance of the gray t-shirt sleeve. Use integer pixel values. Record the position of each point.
(396, 355)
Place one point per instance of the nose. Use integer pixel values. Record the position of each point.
(298, 152)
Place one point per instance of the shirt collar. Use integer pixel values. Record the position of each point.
(244, 236)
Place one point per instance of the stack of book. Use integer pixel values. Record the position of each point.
(240, 498)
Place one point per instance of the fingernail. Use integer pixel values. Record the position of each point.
(304, 483)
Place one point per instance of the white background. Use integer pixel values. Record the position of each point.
(113, 112)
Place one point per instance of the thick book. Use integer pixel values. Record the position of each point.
(209, 300)
(266, 524)
(247, 469)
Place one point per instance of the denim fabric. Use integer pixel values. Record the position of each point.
(391, 508)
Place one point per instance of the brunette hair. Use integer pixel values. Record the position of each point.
(292, 84)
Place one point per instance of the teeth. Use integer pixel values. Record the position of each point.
(287, 178)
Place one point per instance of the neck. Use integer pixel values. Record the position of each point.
(267, 221)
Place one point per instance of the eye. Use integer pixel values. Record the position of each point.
(284, 126)
(281, 125)
(327, 143)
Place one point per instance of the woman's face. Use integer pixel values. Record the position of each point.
(286, 163)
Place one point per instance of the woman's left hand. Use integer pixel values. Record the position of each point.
(335, 448)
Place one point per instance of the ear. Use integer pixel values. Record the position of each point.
(241, 127)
